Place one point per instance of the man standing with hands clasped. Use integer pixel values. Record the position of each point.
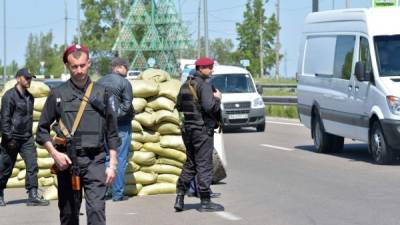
(86, 122)
(200, 105)
(16, 128)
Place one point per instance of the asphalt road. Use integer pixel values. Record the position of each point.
(273, 178)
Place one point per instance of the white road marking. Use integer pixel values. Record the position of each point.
(228, 216)
(131, 213)
(278, 147)
(284, 123)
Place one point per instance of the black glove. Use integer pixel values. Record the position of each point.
(12, 145)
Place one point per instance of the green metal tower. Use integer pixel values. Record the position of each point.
(153, 33)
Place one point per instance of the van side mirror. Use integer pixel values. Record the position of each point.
(259, 89)
(360, 72)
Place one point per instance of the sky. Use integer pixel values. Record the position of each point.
(40, 16)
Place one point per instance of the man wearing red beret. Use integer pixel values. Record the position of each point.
(86, 121)
(200, 105)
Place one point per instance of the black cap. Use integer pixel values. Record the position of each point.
(24, 72)
(120, 62)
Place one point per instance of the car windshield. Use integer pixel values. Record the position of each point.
(233, 83)
(387, 50)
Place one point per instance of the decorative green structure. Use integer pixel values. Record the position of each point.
(156, 33)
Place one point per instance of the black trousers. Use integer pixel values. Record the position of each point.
(92, 174)
(199, 144)
(27, 150)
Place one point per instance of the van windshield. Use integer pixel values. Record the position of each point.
(233, 83)
(387, 50)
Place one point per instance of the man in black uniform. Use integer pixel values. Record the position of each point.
(16, 127)
(200, 106)
(121, 88)
(85, 152)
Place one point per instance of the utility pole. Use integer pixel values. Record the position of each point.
(333, 4)
(5, 44)
(65, 30)
(315, 5)
(118, 15)
(79, 20)
(261, 51)
(277, 44)
(206, 28)
(348, 4)
(198, 31)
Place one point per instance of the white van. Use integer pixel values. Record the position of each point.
(349, 79)
(242, 105)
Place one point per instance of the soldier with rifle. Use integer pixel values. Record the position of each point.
(81, 112)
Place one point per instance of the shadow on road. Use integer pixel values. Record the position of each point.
(241, 130)
(354, 152)
(16, 202)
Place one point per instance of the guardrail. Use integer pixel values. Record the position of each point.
(279, 100)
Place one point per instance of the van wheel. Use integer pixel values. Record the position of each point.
(325, 142)
(260, 127)
(381, 152)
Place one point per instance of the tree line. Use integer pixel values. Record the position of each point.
(99, 31)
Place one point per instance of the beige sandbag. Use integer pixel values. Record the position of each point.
(158, 188)
(36, 115)
(51, 193)
(167, 178)
(39, 104)
(34, 127)
(45, 163)
(19, 158)
(167, 161)
(15, 183)
(21, 175)
(145, 178)
(132, 167)
(166, 116)
(159, 103)
(146, 136)
(144, 88)
(46, 181)
(144, 158)
(130, 179)
(39, 89)
(15, 172)
(136, 146)
(146, 119)
(42, 153)
(8, 85)
(170, 89)
(156, 75)
(44, 173)
(20, 164)
(131, 190)
(172, 141)
(136, 126)
(168, 128)
(139, 104)
(162, 169)
(169, 153)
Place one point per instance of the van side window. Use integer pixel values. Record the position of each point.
(365, 56)
(344, 56)
(317, 48)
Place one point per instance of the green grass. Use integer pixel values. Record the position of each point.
(273, 81)
(281, 111)
(279, 92)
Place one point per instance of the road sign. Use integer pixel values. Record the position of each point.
(245, 62)
(384, 3)
(151, 62)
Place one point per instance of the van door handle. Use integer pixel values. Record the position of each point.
(350, 87)
(357, 88)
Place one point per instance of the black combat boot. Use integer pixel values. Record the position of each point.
(35, 200)
(2, 202)
(179, 202)
(206, 205)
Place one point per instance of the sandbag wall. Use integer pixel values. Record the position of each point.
(157, 151)
(40, 91)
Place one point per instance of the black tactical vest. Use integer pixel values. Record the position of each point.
(190, 106)
(90, 132)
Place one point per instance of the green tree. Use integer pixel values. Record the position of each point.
(221, 50)
(249, 36)
(99, 30)
(40, 48)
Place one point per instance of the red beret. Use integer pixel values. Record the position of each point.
(74, 48)
(204, 61)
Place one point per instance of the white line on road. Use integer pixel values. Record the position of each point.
(284, 123)
(228, 216)
(131, 213)
(278, 147)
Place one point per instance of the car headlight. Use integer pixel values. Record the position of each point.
(394, 104)
(258, 103)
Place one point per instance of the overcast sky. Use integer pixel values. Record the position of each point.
(34, 16)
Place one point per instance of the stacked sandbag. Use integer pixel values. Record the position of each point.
(157, 150)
